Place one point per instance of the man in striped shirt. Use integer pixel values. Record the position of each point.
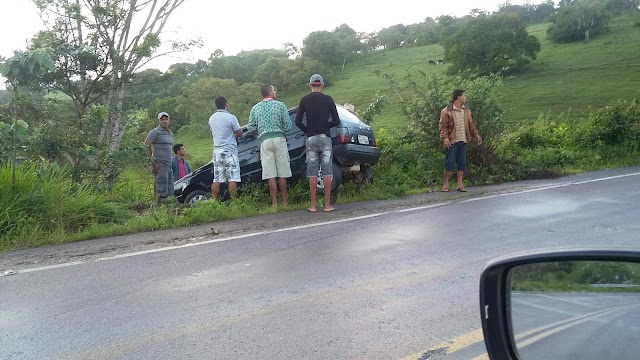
(271, 119)
(456, 130)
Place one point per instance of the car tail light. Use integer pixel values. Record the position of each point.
(343, 135)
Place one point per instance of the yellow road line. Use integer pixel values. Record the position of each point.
(482, 357)
(452, 345)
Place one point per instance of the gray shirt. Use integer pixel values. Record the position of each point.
(162, 147)
(223, 127)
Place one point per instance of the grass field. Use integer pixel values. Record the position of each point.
(564, 77)
(573, 77)
(567, 78)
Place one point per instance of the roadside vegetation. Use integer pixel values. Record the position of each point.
(73, 168)
(577, 276)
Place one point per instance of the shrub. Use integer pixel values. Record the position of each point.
(45, 201)
(616, 124)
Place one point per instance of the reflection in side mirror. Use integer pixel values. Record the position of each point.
(575, 310)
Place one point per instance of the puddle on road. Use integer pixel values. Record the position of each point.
(541, 209)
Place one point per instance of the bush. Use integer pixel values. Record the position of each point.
(616, 124)
(45, 201)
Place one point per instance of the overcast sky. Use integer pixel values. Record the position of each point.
(239, 25)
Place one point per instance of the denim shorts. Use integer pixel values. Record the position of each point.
(456, 154)
(226, 166)
(319, 155)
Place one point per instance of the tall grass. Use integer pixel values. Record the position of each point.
(45, 202)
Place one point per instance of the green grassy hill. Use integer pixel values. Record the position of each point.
(566, 78)
(573, 77)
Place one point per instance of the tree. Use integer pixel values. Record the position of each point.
(393, 36)
(447, 26)
(278, 72)
(292, 50)
(21, 70)
(424, 33)
(102, 43)
(621, 6)
(580, 19)
(323, 46)
(197, 100)
(241, 67)
(350, 42)
(504, 43)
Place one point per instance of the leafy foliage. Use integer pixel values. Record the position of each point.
(616, 124)
(504, 43)
(375, 107)
(44, 201)
(579, 20)
(323, 46)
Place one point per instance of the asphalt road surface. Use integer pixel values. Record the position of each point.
(379, 280)
(596, 325)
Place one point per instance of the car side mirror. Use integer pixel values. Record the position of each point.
(565, 304)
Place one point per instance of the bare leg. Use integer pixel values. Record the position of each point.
(283, 191)
(327, 193)
(445, 185)
(459, 176)
(273, 191)
(313, 187)
(215, 190)
(233, 189)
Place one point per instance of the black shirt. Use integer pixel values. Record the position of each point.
(318, 107)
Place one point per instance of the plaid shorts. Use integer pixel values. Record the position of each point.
(226, 166)
(164, 180)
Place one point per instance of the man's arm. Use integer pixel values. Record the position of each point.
(335, 120)
(252, 125)
(285, 119)
(149, 142)
(474, 130)
(237, 130)
(175, 166)
(444, 129)
(299, 116)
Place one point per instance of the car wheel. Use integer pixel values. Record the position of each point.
(196, 196)
(335, 181)
(367, 174)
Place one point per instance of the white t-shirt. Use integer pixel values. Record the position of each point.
(223, 127)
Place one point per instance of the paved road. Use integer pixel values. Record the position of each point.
(596, 325)
(389, 280)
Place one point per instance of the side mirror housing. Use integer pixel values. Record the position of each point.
(528, 311)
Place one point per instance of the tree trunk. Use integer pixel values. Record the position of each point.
(586, 35)
(115, 115)
(112, 131)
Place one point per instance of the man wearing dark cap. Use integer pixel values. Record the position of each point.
(318, 107)
(159, 143)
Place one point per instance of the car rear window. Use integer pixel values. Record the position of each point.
(346, 115)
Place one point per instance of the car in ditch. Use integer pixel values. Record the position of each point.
(354, 154)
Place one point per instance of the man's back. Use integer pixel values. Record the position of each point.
(270, 118)
(223, 127)
(318, 107)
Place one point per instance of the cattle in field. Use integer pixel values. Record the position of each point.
(432, 62)
(440, 61)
